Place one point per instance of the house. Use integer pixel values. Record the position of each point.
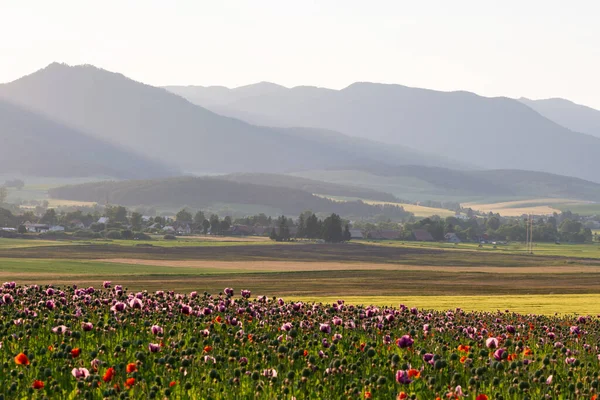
(7, 229)
(103, 220)
(422, 235)
(36, 228)
(356, 234)
(77, 224)
(385, 234)
(452, 238)
(182, 228)
(241, 230)
(56, 228)
(169, 229)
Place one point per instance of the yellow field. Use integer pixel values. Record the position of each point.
(419, 211)
(518, 208)
(580, 304)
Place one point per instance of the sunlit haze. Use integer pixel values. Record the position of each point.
(536, 49)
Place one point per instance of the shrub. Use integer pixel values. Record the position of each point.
(113, 234)
(170, 237)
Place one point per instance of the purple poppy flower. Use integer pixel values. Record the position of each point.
(575, 330)
(491, 343)
(87, 326)
(243, 361)
(570, 360)
(155, 329)
(428, 358)
(154, 348)
(7, 299)
(510, 329)
(405, 342)
(229, 292)
(402, 377)
(61, 329)
(246, 293)
(136, 303)
(186, 309)
(325, 328)
(50, 305)
(286, 327)
(106, 284)
(498, 354)
(80, 373)
(118, 307)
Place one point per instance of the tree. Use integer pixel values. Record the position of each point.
(215, 226)
(284, 230)
(225, 224)
(205, 226)
(22, 229)
(347, 234)
(313, 227)
(199, 218)
(273, 235)
(116, 213)
(184, 216)
(136, 221)
(3, 194)
(301, 227)
(493, 223)
(332, 229)
(49, 217)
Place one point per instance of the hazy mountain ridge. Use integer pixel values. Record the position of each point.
(309, 185)
(577, 117)
(204, 192)
(425, 183)
(494, 133)
(35, 145)
(168, 128)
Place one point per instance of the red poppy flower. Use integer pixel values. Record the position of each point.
(172, 383)
(368, 395)
(75, 352)
(414, 373)
(21, 359)
(129, 382)
(109, 374)
(481, 397)
(131, 367)
(37, 385)
(305, 353)
(207, 349)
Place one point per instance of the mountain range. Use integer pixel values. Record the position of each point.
(85, 121)
(34, 145)
(169, 129)
(577, 117)
(490, 133)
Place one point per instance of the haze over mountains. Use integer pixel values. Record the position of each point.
(154, 122)
(577, 117)
(378, 140)
(34, 145)
(492, 133)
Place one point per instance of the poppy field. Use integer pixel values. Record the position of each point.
(109, 342)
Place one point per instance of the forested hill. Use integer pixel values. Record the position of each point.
(204, 192)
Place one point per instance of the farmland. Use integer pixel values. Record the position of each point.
(372, 272)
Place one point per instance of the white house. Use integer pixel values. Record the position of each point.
(103, 220)
(57, 228)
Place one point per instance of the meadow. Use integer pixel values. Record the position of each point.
(108, 342)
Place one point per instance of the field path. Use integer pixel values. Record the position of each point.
(299, 266)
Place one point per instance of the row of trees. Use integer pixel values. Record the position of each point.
(547, 229)
(331, 229)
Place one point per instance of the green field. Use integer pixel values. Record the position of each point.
(557, 278)
(541, 249)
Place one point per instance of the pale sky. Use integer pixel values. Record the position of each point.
(531, 48)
